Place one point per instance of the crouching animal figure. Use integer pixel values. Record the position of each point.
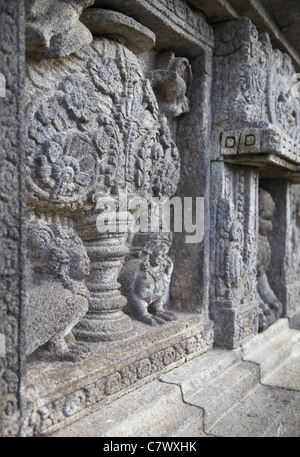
(145, 278)
(57, 297)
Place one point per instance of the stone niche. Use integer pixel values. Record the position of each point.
(254, 171)
(109, 134)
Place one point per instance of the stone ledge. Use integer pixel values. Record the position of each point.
(262, 148)
(177, 26)
(64, 392)
(156, 410)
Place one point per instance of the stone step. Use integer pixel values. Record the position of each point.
(258, 340)
(192, 376)
(271, 348)
(227, 389)
(214, 382)
(264, 412)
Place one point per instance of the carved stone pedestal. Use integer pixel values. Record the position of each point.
(105, 320)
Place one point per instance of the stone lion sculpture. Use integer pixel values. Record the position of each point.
(57, 297)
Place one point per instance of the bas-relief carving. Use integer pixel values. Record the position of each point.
(146, 278)
(170, 80)
(57, 297)
(94, 129)
(45, 416)
(292, 258)
(283, 108)
(234, 256)
(270, 308)
(257, 116)
(233, 291)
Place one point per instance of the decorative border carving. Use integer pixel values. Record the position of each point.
(45, 417)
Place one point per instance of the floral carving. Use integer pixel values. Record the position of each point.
(63, 172)
(106, 76)
(110, 111)
(79, 98)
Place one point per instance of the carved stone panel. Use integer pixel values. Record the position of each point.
(233, 293)
(95, 130)
(257, 119)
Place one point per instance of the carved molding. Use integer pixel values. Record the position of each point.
(177, 26)
(44, 416)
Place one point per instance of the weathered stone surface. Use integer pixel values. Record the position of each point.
(258, 101)
(11, 215)
(191, 276)
(57, 298)
(119, 27)
(283, 270)
(233, 291)
(176, 25)
(154, 410)
(270, 308)
(129, 104)
(146, 277)
(53, 28)
(100, 132)
(70, 391)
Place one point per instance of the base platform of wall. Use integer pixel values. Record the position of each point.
(253, 391)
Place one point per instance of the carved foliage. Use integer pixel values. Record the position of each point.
(96, 130)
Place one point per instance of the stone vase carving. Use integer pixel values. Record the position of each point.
(105, 320)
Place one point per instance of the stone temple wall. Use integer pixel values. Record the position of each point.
(149, 196)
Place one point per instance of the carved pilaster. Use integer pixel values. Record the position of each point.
(12, 369)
